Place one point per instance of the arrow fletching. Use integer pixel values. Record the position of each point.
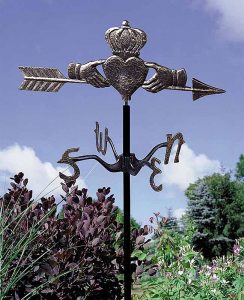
(201, 89)
(42, 79)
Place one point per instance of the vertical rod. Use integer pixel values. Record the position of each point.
(127, 244)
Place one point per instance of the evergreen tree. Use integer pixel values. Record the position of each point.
(172, 222)
(201, 210)
(216, 207)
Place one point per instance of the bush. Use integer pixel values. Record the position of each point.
(75, 254)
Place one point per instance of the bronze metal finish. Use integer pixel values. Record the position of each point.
(124, 70)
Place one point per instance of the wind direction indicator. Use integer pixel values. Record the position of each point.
(126, 72)
(51, 80)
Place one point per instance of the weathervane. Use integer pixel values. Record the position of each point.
(126, 72)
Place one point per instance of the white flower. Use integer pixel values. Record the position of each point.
(214, 277)
(160, 263)
(180, 272)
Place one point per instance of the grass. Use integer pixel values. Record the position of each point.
(14, 246)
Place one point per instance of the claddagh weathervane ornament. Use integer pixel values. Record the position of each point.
(126, 72)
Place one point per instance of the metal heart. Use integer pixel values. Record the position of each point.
(126, 76)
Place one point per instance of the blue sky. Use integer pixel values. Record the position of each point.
(205, 37)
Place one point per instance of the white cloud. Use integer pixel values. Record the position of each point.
(189, 169)
(16, 158)
(179, 212)
(230, 17)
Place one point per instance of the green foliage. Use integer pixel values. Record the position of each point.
(184, 274)
(240, 168)
(220, 280)
(216, 207)
(205, 260)
(120, 218)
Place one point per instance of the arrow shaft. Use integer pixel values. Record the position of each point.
(67, 80)
(189, 89)
(48, 79)
(176, 88)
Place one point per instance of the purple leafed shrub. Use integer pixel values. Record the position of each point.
(76, 254)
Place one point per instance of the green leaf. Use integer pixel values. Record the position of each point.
(142, 256)
(136, 253)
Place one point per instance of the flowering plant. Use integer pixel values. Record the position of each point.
(183, 273)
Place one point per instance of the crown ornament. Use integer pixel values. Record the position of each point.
(125, 41)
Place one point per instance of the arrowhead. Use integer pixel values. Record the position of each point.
(203, 89)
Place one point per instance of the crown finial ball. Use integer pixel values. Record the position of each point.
(126, 23)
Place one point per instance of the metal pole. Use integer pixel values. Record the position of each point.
(126, 174)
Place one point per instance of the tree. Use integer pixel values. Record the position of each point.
(172, 222)
(216, 207)
(235, 213)
(120, 218)
(240, 169)
(201, 210)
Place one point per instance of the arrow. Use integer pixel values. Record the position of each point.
(199, 89)
(44, 79)
(51, 80)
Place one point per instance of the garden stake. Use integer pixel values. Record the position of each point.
(126, 72)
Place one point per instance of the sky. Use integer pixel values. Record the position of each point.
(205, 37)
